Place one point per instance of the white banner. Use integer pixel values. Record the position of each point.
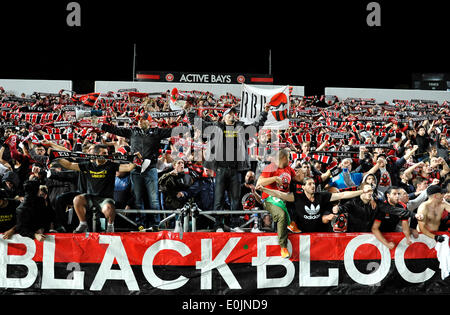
(17, 87)
(253, 100)
(151, 87)
(388, 95)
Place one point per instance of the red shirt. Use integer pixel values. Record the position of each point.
(286, 174)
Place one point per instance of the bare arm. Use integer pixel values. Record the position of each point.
(257, 196)
(407, 231)
(328, 218)
(411, 152)
(2, 161)
(322, 146)
(345, 195)
(424, 230)
(8, 234)
(126, 167)
(445, 169)
(431, 127)
(264, 181)
(54, 146)
(409, 170)
(373, 170)
(362, 152)
(69, 165)
(376, 231)
(446, 205)
(325, 175)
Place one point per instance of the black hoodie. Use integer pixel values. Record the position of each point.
(32, 213)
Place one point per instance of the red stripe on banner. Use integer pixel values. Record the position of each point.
(322, 247)
(267, 80)
(148, 76)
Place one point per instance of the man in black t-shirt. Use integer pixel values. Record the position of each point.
(7, 214)
(389, 216)
(99, 177)
(310, 205)
(361, 211)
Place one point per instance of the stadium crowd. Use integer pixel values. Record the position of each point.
(348, 165)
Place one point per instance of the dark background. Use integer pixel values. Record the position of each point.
(315, 44)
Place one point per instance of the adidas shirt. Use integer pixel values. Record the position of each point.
(309, 214)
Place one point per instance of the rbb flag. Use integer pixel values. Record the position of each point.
(254, 99)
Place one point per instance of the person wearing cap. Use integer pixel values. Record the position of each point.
(144, 178)
(432, 212)
(227, 154)
(7, 214)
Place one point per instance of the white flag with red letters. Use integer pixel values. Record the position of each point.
(253, 100)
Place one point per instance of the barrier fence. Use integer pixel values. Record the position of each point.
(187, 215)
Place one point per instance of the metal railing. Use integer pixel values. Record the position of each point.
(187, 216)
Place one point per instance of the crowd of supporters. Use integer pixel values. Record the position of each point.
(343, 165)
